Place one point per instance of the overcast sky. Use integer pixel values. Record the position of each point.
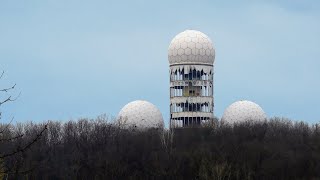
(77, 58)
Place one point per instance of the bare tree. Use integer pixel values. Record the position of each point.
(9, 138)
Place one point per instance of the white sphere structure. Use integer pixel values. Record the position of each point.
(191, 55)
(242, 111)
(191, 46)
(141, 115)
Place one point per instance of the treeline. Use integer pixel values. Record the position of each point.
(95, 149)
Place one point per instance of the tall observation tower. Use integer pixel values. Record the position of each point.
(191, 56)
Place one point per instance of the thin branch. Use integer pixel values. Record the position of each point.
(10, 139)
(18, 150)
(1, 74)
(8, 89)
(9, 99)
(7, 126)
(6, 100)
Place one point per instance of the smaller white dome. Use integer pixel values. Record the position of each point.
(244, 110)
(140, 114)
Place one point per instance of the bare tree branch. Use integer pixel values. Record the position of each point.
(13, 138)
(18, 150)
(6, 100)
(8, 89)
(9, 99)
(7, 126)
(1, 74)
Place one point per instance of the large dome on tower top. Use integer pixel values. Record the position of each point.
(191, 47)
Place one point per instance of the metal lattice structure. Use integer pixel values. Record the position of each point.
(140, 115)
(191, 56)
(242, 111)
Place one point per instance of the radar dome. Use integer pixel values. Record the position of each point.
(140, 114)
(241, 111)
(191, 47)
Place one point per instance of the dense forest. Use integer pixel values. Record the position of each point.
(96, 149)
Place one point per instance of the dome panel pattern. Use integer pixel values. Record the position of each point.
(241, 111)
(191, 46)
(141, 115)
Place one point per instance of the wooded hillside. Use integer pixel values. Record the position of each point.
(95, 149)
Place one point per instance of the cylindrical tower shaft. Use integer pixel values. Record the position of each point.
(191, 58)
(191, 95)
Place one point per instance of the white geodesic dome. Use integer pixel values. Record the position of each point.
(244, 110)
(191, 47)
(140, 114)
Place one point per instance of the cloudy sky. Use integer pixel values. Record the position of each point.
(76, 58)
